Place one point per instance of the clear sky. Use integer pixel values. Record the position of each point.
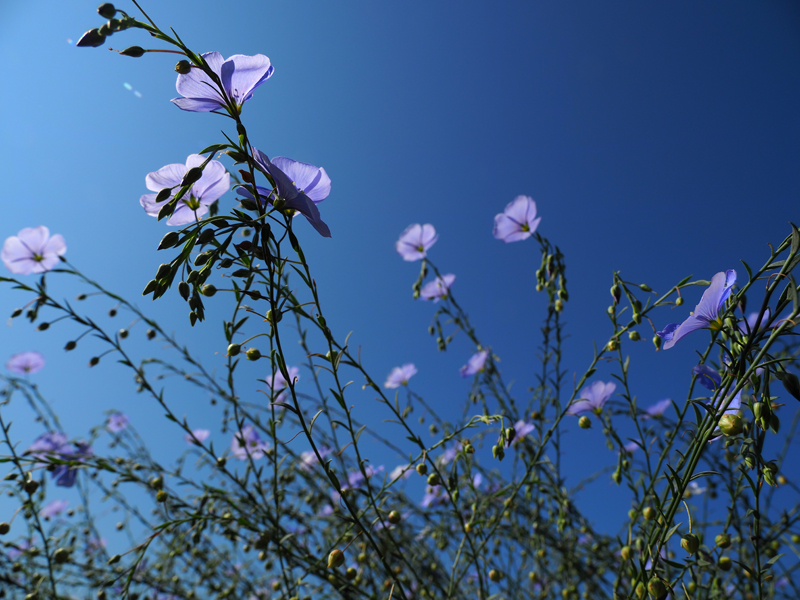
(658, 139)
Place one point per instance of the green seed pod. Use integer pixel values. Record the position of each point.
(161, 496)
(725, 563)
(641, 590)
(335, 559)
(350, 574)
(678, 300)
(394, 517)
(657, 588)
(133, 51)
(106, 10)
(234, 349)
(649, 513)
(202, 259)
(625, 553)
(634, 336)
(434, 479)
(731, 424)
(584, 422)
(209, 290)
(723, 540)
(422, 469)
(690, 543)
(253, 354)
(274, 317)
(495, 575)
(183, 67)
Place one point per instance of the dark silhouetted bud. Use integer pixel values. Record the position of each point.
(93, 361)
(123, 333)
(17, 312)
(725, 563)
(226, 262)
(163, 271)
(4, 528)
(162, 196)
(133, 51)
(70, 346)
(394, 517)
(91, 39)
(106, 10)
(43, 327)
(184, 290)
(202, 258)
(192, 176)
(170, 240)
(151, 333)
(183, 67)
(166, 210)
(206, 236)
(31, 486)
(61, 555)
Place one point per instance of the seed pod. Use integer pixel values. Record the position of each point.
(133, 51)
(657, 588)
(335, 559)
(183, 67)
(106, 10)
(731, 424)
(723, 540)
(91, 39)
(253, 354)
(690, 543)
(209, 290)
(394, 517)
(434, 479)
(584, 422)
(422, 469)
(234, 349)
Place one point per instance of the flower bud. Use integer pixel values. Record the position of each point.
(422, 469)
(769, 470)
(645, 288)
(169, 240)
(762, 413)
(641, 590)
(690, 543)
(584, 422)
(4, 528)
(161, 496)
(253, 354)
(657, 342)
(234, 349)
(335, 559)
(274, 317)
(731, 424)
(31, 486)
(133, 51)
(394, 517)
(434, 479)
(93, 361)
(616, 293)
(192, 176)
(70, 346)
(625, 553)
(61, 555)
(495, 575)
(91, 39)
(183, 67)
(17, 312)
(43, 326)
(163, 271)
(723, 540)
(202, 259)
(634, 336)
(511, 433)
(657, 588)
(498, 452)
(209, 290)
(649, 513)
(221, 462)
(612, 345)
(725, 563)
(123, 333)
(184, 290)
(151, 333)
(106, 10)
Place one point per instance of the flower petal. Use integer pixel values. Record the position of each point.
(198, 87)
(165, 177)
(693, 323)
(242, 74)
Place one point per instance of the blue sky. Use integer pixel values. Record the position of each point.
(658, 139)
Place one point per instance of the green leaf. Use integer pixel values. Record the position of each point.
(314, 418)
(749, 270)
(795, 239)
(214, 148)
(790, 383)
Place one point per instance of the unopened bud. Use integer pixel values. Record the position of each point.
(4, 528)
(649, 513)
(616, 293)
(634, 336)
(657, 588)
(209, 290)
(274, 317)
(584, 422)
(17, 312)
(61, 555)
(422, 469)
(151, 333)
(192, 176)
(495, 575)
(725, 563)
(657, 342)
(183, 67)
(253, 354)
(184, 290)
(645, 288)
(106, 10)
(723, 540)
(625, 553)
(163, 271)
(161, 496)
(133, 51)
(91, 39)
(434, 479)
(31, 486)
(70, 346)
(394, 517)
(234, 349)
(169, 240)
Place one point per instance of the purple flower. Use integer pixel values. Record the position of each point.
(711, 379)
(248, 442)
(657, 409)
(448, 456)
(65, 474)
(213, 183)
(518, 221)
(239, 74)
(400, 472)
(48, 444)
(592, 397)
(55, 508)
(308, 458)
(32, 250)
(475, 364)
(706, 314)
(117, 422)
(197, 437)
(438, 289)
(400, 376)
(25, 363)
(631, 447)
(434, 496)
(356, 478)
(415, 241)
(521, 429)
(751, 322)
(300, 188)
(278, 382)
